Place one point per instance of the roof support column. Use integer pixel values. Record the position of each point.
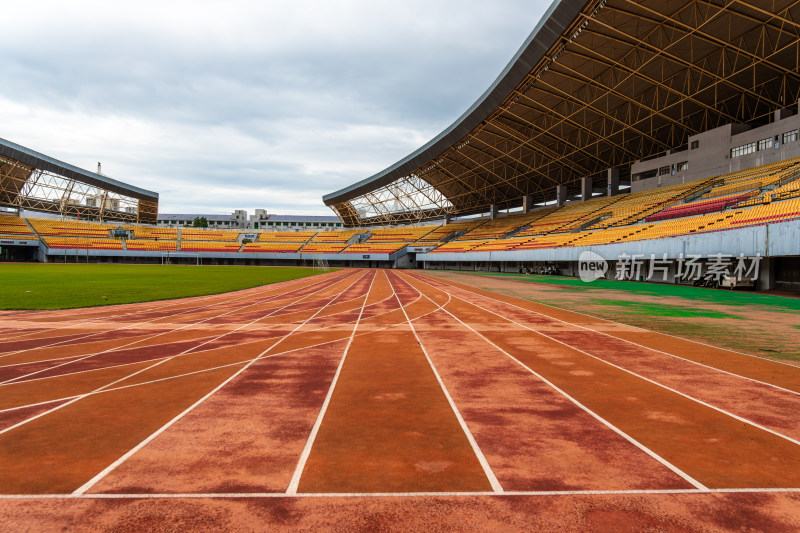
(493, 211)
(561, 195)
(586, 189)
(613, 181)
(527, 203)
(447, 218)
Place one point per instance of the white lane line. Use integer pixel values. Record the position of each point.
(225, 365)
(200, 305)
(281, 495)
(602, 420)
(294, 483)
(167, 332)
(661, 385)
(109, 385)
(110, 468)
(487, 470)
(74, 358)
(772, 385)
(271, 298)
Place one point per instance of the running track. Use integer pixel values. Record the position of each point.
(363, 399)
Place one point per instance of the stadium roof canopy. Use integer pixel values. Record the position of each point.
(599, 84)
(34, 181)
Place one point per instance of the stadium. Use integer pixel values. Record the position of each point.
(520, 326)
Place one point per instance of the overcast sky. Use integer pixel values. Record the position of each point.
(237, 105)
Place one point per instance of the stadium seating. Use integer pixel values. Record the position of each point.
(271, 247)
(145, 232)
(286, 236)
(208, 235)
(323, 247)
(14, 228)
(458, 246)
(634, 207)
(335, 236)
(498, 227)
(203, 246)
(573, 215)
(82, 244)
(442, 232)
(699, 208)
(70, 228)
(407, 235)
(374, 248)
(143, 245)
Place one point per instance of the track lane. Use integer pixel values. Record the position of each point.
(534, 438)
(717, 450)
(388, 427)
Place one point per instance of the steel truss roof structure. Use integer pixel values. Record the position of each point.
(599, 84)
(34, 181)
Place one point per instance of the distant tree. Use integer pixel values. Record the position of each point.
(200, 222)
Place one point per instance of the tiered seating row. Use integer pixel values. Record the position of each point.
(442, 232)
(82, 244)
(406, 235)
(69, 228)
(335, 236)
(209, 235)
(571, 216)
(323, 247)
(271, 247)
(11, 225)
(142, 245)
(143, 232)
(210, 246)
(698, 208)
(374, 248)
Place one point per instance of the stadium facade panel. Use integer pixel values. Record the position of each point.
(597, 87)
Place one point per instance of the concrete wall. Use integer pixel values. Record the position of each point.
(712, 156)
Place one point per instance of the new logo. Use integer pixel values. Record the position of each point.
(591, 266)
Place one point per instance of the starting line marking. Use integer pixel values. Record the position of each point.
(264, 495)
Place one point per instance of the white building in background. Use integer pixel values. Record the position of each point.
(259, 220)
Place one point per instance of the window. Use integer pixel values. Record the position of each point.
(765, 144)
(663, 171)
(745, 149)
(683, 166)
(790, 136)
(695, 145)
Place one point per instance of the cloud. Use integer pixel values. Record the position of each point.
(226, 105)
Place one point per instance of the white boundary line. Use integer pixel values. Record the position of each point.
(210, 369)
(73, 358)
(280, 495)
(487, 469)
(661, 385)
(294, 483)
(642, 345)
(89, 484)
(608, 424)
(170, 331)
(176, 303)
(159, 362)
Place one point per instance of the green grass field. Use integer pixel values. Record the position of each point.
(57, 286)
